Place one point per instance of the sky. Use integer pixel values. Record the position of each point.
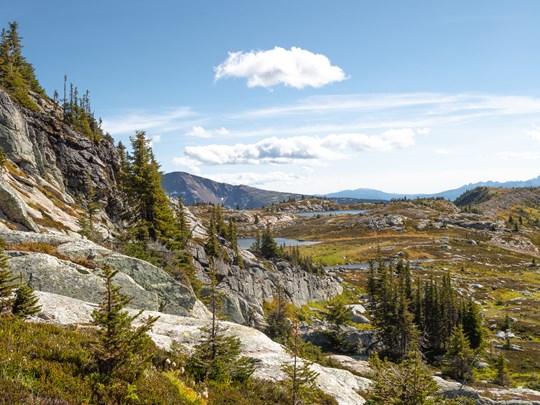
(305, 96)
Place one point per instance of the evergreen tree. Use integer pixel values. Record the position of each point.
(472, 325)
(278, 318)
(16, 74)
(460, 358)
(6, 284)
(25, 302)
(338, 315)
(121, 353)
(212, 247)
(268, 246)
(408, 383)
(502, 374)
(300, 377)
(218, 357)
(151, 214)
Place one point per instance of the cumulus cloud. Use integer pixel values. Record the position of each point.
(201, 132)
(534, 133)
(296, 67)
(298, 149)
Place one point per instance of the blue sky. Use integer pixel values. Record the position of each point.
(306, 96)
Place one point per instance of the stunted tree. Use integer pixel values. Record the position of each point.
(121, 352)
(6, 283)
(25, 302)
(278, 318)
(218, 357)
(301, 379)
(407, 383)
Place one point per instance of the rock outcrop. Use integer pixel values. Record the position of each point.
(52, 162)
(71, 268)
(246, 290)
(268, 355)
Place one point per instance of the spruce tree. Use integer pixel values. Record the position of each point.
(121, 353)
(502, 374)
(278, 318)
(408, 383)
(459, 358)
(268, 246)
(151, 213)
(25, 302)
(300, 377)
(218, 357)
(472, 325)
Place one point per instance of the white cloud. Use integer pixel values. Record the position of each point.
(162, 121)
(156, 138)
(200, 132)
(192, 164)
(296, 68)
(534, 133)
(256, 179)
(298, 149)
(518, 155)
(442, 152)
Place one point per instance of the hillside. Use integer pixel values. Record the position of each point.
(502, 201)
(194, 189)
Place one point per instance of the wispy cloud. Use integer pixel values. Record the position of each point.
(163, 121)
(435, 104)
(256, 179)
(295, 67)
(200, 132)
(534, 133)
(442, 152)
(298, 149)
(522, 155)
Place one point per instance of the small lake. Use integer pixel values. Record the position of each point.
(365, 266)
(337, 212)
(245, 243)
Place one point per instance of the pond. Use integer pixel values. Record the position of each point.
(337, 212)
(245, 243)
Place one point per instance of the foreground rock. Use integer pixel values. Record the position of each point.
(268, 355)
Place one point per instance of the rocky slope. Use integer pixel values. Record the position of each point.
(268, 355)
(51, 170)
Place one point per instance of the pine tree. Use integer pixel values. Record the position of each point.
(218, 357)
(25, 302)
(502, 374)
(338, 314)
(268, 246)
(460, 358)
(16, 74)
(151, 213)
(278, 318)
(408, 383)
(472, 325)
(212, 244)
(121, 352)
(300, 377)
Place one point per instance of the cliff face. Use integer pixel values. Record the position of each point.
(53, 166)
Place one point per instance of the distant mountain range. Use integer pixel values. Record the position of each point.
(370, 194)
(196, 189)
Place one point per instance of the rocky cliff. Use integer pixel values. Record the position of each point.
(51, 169)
